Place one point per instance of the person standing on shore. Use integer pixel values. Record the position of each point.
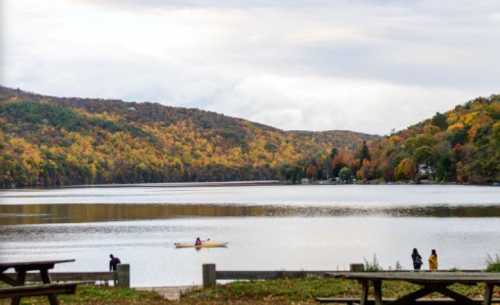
(417, 260)
(433, 261)
(113, 262)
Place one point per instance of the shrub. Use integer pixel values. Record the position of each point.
(372, 266)
(398, 266)
(493, 263)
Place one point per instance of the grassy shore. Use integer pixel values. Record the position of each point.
(281, 292)
(299, 291)
(99, 295)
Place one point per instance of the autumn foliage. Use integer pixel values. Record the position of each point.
(461, 145)
(49, 141)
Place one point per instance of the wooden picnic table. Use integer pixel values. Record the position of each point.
(21, 268)
(430, 282)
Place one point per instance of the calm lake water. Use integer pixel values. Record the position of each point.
(267, 227)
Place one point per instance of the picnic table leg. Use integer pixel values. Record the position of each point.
(413, 296)
(488, 294)
(20, 279)
(44, 274)
(364, 292)
(7, 279)
(462, 299)
(377, 289)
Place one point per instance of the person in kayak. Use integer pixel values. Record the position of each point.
(417, 259)
(197, 242)
(113, 262)
(433, 261)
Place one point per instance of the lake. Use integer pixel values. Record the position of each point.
(267, 227)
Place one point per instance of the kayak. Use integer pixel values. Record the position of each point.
(205, 244)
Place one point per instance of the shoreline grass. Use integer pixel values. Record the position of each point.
(297, 291)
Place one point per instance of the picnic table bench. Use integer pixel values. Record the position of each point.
(20, 290)
(430, 282)
(371, 301)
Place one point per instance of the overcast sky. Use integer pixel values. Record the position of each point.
(367, 66)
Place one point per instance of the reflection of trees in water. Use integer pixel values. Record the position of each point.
(63, 213)
(67, 213)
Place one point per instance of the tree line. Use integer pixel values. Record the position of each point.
(48, 141)
(461, 145)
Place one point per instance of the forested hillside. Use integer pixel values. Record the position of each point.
(50, 141)
(461, 145)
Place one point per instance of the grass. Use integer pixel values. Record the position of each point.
(99, 295)
(298, 291)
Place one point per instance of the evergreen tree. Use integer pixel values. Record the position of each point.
(440, 120)
(363, 154)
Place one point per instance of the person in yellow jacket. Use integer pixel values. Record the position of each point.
(433, 261)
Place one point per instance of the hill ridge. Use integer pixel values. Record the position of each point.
(83, 140)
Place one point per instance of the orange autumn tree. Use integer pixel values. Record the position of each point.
(343, 158)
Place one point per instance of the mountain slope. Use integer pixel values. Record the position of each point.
(59, 141)
(461, 145)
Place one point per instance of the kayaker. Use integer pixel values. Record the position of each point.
(113, 262)
(197, 242)
(433, 261)
(417, 259)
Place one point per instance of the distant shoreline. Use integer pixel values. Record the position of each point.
(180, 184)
(236, 183)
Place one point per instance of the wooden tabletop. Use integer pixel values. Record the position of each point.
(424, 277)
(33, 264)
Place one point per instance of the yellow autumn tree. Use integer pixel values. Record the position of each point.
(406, 169)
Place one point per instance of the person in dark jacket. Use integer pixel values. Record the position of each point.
(113, 262)
(198, 242)
(417, 259)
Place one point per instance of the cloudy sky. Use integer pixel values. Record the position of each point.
(367, 66)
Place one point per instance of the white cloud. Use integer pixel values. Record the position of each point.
(315, 102)
(363, 65)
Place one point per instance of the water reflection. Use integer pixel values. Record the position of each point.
(77, 213)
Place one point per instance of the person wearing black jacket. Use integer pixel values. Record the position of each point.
(417, 259)
(113, 262)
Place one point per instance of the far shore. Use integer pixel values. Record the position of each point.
(268, 182)
(180, 184)
(244, 183)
